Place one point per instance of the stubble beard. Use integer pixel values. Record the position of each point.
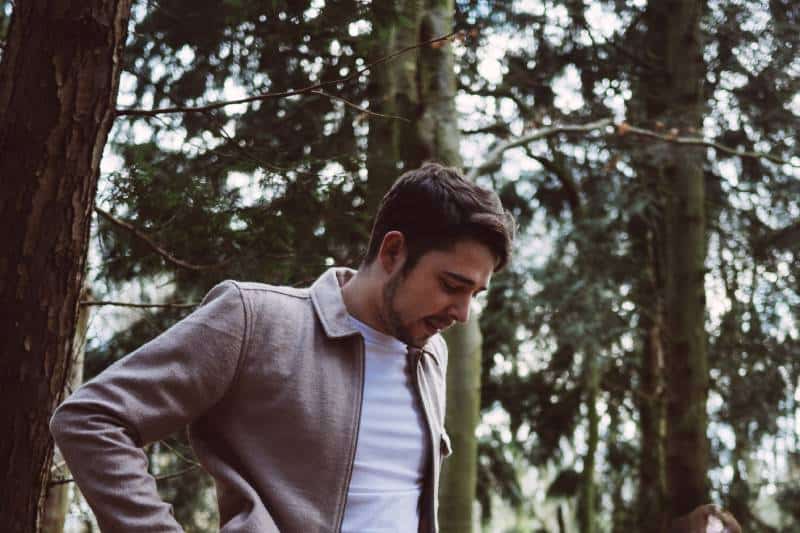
(391, 317)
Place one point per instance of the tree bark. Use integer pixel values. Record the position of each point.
(587, 508)
(58, 85)
(460, 473)
(651, 508)
(440, 140)
(56, 504)
(673, 95)
(421, 88)
(382, 140)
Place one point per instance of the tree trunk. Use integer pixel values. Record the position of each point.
(648, 294)
(440, 137)
(382, 140)
(587, 508)
(56, 503)
(393, 144)
(58, 85)
(673, 95)
(459, 476)
(421, 88)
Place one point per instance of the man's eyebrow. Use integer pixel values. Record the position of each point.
(464, 279)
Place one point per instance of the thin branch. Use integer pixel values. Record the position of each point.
(179, 473)
(177, 305)
(496, 154)
(355, 106)
(155, 247)
(282, 94)
(499, 128)
(625, 128)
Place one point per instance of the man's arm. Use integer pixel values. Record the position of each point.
(144, 397)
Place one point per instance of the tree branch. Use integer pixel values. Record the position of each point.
(282, 94)
(155, 247)
(624, 128)
(357, 107)
(179, 473)
(497, 152)
(177, 305)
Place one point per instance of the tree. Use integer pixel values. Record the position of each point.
(58, 86)
(674, 96)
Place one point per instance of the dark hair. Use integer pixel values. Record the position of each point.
(434, 207)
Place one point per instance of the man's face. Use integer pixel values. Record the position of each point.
(437, 292)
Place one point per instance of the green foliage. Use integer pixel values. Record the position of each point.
(276, 190)
(581, 304)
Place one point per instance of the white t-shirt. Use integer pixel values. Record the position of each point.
(393, 444)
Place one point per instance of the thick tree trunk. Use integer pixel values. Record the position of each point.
(58, 86)
(422, 89)
(587, 508)
(673, 96)
(439, 133)
(56, 504)
(648, 295)
(459, 477)
(382, 141)
(393, 144)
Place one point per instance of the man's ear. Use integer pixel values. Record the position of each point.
(392, 253)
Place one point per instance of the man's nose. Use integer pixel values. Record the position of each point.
(459, 310)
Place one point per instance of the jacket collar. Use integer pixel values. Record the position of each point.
(326, 294)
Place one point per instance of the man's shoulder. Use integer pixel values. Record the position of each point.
(264, 291)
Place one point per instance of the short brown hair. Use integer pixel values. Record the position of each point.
(434, 207)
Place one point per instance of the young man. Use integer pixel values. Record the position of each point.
(315, 410)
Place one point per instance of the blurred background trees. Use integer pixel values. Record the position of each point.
(640, 355)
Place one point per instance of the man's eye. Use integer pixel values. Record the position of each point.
(449, 288)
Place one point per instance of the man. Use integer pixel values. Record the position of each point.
(315, 410)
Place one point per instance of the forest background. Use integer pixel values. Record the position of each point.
(640, 355)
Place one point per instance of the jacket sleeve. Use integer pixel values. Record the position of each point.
(144, 397)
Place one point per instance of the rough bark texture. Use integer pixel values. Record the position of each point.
(58, 85)
(56, 503)
(652, 496)
(382, 141)
(393, 144)
(440, 136)
(673, 96)
(421, 87)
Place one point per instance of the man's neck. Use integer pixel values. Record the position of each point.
(362, 298)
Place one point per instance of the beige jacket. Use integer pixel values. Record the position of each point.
(269, 380)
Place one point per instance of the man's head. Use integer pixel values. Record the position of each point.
(435, 243)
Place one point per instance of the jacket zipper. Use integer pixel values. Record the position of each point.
(355, 437)
(430, 481)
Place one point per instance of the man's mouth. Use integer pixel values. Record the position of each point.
(435, 326)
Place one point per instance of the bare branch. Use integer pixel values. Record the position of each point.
(359, 108)
(496, 154)
(282, 94)
(623, 128)
(672, 137)
(179, 473)
(499, 128)
(177, 305)
(155, 247)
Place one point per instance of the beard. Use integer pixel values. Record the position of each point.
(391, 316)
